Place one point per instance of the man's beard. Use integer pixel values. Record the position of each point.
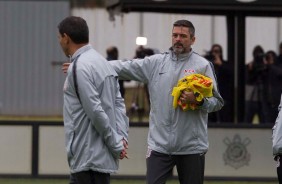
(178, 50)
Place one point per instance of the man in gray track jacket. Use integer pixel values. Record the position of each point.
(96, 127)
(277, 142)
(175, 137)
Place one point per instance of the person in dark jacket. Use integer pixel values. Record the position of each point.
(272, 87)
(255, 87)
(224, 71)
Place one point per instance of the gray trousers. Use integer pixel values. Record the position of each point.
(190, 168)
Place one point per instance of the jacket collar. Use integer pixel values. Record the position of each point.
(79, 51)
(180, 57)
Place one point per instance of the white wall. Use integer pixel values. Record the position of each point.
(250, 148)
(156, 27)
(16, 149)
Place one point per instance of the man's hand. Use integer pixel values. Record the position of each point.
(188, 97)
(123, 153)
(65, 67)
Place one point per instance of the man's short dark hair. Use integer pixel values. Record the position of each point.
(112, 53)
(185, 23)
(76, 28)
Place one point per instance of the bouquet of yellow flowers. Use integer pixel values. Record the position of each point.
(197, 83)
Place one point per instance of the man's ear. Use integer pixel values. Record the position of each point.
(193, 39)
(66, 38)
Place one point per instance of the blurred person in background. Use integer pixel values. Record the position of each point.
(140, 53)
(279, 57)
(273, 87)
(255, 83)
(112, 54)
(225, 78)
(265, 76)
(96, 126)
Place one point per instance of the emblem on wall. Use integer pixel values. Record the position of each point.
(236, 154)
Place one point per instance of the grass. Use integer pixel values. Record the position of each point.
(114, 181)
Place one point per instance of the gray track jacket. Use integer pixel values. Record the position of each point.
(277, 133)
(172, 131)
(94, 128)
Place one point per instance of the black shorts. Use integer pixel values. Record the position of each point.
(190, 168)
(89, 177)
